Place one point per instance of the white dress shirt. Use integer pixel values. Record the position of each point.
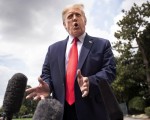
(79, 45)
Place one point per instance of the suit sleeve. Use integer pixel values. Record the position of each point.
(46, 73)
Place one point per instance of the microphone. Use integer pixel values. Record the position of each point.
(48, 109)
(14, 95)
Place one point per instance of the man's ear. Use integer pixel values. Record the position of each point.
(64, 24)
(85, 20)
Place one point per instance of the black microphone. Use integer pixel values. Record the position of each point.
(14, 95)
(48, 109)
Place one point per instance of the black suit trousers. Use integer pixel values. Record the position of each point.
(69, 112)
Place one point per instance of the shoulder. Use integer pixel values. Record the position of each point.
(98, 40)
(58, 44)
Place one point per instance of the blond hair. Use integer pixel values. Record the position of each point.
(78, 6)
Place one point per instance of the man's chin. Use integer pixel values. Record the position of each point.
(76, 33)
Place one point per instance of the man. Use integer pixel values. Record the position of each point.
(93, 61)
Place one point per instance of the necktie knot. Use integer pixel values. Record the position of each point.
(75, 40)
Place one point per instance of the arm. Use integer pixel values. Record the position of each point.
(46, 73)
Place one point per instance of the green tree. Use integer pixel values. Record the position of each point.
(1, 111)
(23, 110)
(134, 27)
(130, 80)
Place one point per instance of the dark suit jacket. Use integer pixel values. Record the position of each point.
(96, 62)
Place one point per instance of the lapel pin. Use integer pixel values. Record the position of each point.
(90, 41)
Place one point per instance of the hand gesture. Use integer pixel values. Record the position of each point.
(40, 92)
(83, 83)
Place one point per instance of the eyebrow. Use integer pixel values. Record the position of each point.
(70, 13)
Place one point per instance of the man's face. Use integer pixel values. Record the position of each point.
(74, 22)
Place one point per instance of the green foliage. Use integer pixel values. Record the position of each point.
(137, 103)
(23, 110)
(130, 79)
(133, 70)
(23, 119)
(132, 22)
(1, 110)
(147, 111)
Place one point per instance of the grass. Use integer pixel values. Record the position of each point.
(23, 119)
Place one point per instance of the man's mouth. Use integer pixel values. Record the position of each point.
(76, 25)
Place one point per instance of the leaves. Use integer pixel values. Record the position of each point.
(133, 62)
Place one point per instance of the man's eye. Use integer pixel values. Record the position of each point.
(70, 16)
(78, 15)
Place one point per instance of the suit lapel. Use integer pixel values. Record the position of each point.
(61, 58)
(88, 42)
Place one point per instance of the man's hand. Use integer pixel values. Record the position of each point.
(40, 92)
(83, 83)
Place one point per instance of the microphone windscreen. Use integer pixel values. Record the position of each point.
(14, 93)
(48, 109)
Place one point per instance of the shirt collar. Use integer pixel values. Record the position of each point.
(81, 38)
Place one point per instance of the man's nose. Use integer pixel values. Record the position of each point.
(74, 17)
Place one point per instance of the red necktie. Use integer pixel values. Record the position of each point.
(71, 72)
